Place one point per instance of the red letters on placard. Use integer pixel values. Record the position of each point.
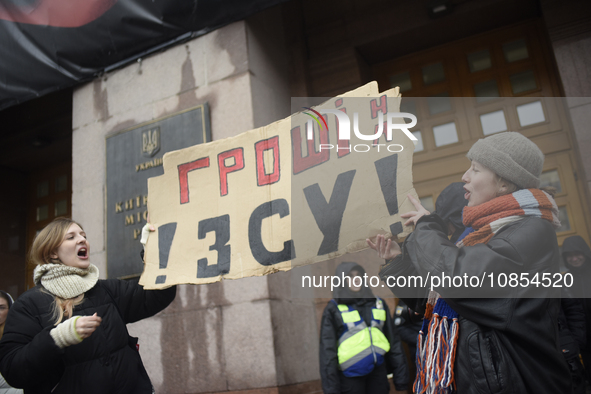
(238, 155)
(183, 175)
(301, 163)
(260, 147)
(383, 106)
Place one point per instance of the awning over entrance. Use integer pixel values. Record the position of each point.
(49, 45)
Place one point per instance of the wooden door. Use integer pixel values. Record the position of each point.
(50, 196)
(504, 80)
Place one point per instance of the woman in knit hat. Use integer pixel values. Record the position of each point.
(495, 338)
(68, 334)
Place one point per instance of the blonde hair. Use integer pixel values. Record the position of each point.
(46, 244)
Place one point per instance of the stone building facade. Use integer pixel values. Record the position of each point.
(249, 335)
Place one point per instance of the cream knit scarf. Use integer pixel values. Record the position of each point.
(65, 281)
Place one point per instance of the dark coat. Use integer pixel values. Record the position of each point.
(505, 345)
(105, 362)
(572, 326)
(582, 277)
(331, 324)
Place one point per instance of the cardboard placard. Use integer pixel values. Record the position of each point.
(295, 192)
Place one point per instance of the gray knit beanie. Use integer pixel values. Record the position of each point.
(511, 156)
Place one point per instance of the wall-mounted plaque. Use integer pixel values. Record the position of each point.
(133, 156)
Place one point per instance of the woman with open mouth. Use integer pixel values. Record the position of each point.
(497, 332)
(68, 334)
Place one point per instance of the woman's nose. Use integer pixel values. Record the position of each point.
(465, 178)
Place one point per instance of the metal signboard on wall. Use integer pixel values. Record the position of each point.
(133, 156)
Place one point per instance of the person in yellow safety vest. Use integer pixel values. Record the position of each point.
(358, 342)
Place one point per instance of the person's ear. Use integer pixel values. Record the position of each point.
(53, 255)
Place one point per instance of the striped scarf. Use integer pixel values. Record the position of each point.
(437, 340)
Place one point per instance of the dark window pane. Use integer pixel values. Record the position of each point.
(61, 208)
(42, 189)
(42, 213)
(61, 184)
(516, 50)
(402, 80)
(479, 61)
(409, 106)
(523, 82)
(484, 91)
(433, 73)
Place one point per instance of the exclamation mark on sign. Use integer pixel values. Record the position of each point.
(165, 237)
(386, 169)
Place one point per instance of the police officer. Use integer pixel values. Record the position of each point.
(358, 343)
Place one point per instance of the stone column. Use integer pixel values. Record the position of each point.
(230, 335)
(569, 28)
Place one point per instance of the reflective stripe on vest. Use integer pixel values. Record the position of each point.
(362, 347)
(377, 327)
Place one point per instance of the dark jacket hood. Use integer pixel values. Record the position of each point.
(576, 243)
(450, 204)
(344, 295)
(8, 298)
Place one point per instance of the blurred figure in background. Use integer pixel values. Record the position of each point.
(571, 328)
(577, 258)
(408, 323)
(5, 304)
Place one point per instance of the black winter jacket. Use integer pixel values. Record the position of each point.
(505, 345)
(329, 340)
(571, 326)
(105, 362)
(582, 277)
